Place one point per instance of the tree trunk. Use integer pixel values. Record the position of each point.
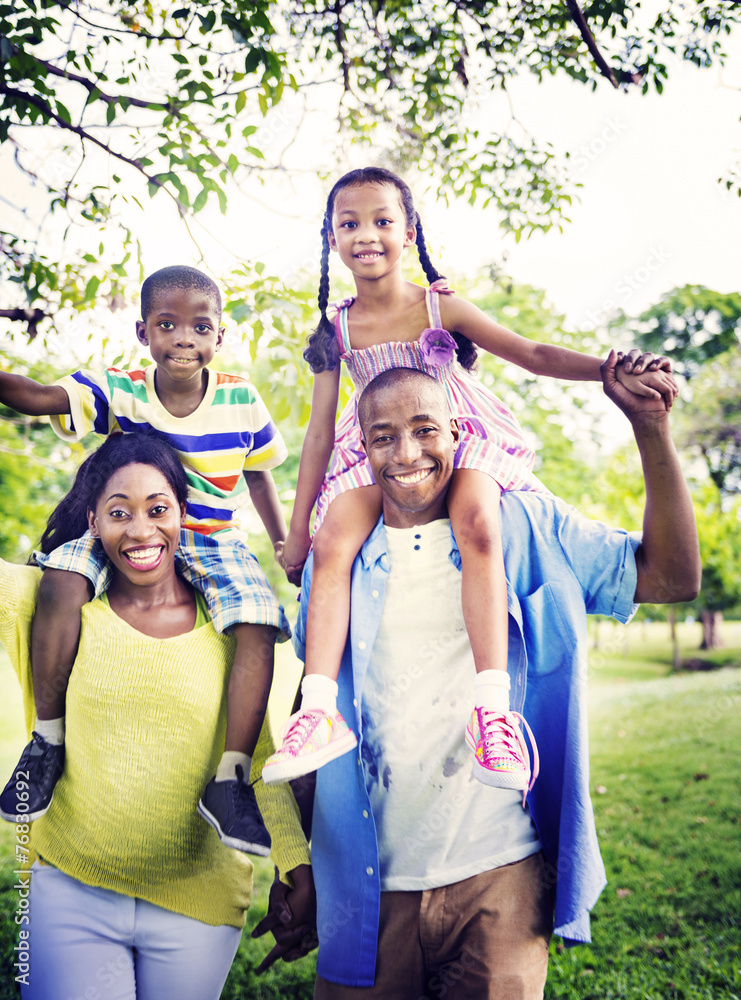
(675, 644)
(711, 629)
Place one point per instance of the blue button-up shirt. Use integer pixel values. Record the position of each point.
(559, 567)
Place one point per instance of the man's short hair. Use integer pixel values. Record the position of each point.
(392, 377)
(177, 276)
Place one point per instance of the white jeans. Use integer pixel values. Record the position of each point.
(94, 944)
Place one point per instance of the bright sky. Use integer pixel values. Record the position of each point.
(651, 216)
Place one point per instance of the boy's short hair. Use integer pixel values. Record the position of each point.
(177, 276)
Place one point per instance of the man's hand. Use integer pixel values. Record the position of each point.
(628, 399)
(291, 917)
(647, 375)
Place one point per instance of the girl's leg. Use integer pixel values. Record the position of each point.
(350, 519)
(494, 734)
(316, 734)
(55, 635)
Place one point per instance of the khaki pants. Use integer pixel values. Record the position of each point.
(485, 938)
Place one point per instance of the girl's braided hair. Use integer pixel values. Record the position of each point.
(322, 353)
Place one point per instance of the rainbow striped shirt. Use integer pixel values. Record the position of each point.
(229, 433)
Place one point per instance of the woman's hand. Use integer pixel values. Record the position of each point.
(291, 917)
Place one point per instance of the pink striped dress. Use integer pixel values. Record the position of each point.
(491, 439)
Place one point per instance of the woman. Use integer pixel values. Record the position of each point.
(132, 895)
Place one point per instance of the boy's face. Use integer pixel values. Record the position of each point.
(183, 332)
(410, 440)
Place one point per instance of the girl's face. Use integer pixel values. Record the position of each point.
(137, 519)
(370, 229)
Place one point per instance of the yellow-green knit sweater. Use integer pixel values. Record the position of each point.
(145, 729)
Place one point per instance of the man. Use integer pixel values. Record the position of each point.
(427, 883)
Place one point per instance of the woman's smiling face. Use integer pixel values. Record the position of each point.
(138, 519)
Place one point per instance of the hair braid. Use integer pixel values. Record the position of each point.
(321, 352)
(466, 349)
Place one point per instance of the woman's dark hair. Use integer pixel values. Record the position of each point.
(69, 519)
(322, 353)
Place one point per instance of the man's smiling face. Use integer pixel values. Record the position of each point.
(410, 441)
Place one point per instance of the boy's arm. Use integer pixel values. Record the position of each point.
(267, 503)
(32, 398)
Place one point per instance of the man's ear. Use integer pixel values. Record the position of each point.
(92, 526)
(220, 338)
(141, 333)
(362, 441)
(455, 430)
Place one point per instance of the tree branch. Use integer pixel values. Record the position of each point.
(65, 74)
(30, 316)
(45, 109)
(577, 16)
(340, 39)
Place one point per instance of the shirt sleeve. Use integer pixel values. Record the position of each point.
(603, 561)
(89, 406)
(18, 587)
(298, 633)
(268, 447)
(289, 848)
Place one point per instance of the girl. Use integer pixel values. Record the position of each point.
(369, 220)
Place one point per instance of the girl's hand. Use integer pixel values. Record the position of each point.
(653, 383)
(635, 362)
(295, 551)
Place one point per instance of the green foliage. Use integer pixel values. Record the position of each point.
(719, 530)
(544, 407)
(666, 793)
(666, 927)
(691, 325)
(137, 100)
(35, 471)
(700, 329)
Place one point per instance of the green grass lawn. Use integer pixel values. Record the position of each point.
(667, 798)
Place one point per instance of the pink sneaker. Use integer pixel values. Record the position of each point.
(310, 739)
(501, 753)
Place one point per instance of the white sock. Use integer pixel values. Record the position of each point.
(492, 690)
(227, 769)
(51, 729)
(320, 692)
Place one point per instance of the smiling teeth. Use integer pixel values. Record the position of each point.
(413, 477)
(143, 555)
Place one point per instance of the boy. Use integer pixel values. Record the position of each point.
(227, 443)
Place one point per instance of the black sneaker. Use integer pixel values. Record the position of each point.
(29, 792)
(231, 809)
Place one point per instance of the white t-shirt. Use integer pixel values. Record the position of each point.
(437, 824)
